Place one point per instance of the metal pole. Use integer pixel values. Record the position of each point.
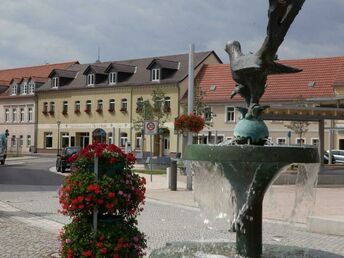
(58, 137)
(95, 211)
(190, 106)
(151, 156)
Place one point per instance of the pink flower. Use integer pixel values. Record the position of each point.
(120, 192)
(68, 241)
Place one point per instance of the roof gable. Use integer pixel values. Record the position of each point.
(163, 64)
(95, 69)
(120, 68)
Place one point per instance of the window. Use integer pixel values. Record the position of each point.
(281, 141)
(99, 106)
(167, 105)
(30, 116)
(230, 114)
(123, 139)
(48, 140)
(55, 82)
(111, 105)
(28, 140)
(90, 79)
(112, 78)
(22, 115)
(21, 140)
(315, 141)
(14, 115)
(14, 89)
(124, 105)
(138, 140)
(110, 139)
(64, 140)
(208, 114)
(52, 108)
(65, 108)
(139, 105)
(155, 74)
(77, 107)
(7, 115)
(300, 141)
(13, 141)
(31, 88)
(45, 107)
(23, 88)
(88, 106)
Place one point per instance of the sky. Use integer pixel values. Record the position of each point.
(34, 32)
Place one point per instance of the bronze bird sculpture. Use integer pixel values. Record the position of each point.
(250, 71)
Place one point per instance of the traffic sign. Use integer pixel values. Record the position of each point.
(151, 127)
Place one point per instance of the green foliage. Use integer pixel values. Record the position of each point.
(299, 127)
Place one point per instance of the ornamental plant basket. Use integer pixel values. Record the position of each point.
(64, 112)
(117, 195)
(51, 112)
(77, 111)
(87, 111)
(45, 112)
(99, 110)
(189, 123)
(111, 110)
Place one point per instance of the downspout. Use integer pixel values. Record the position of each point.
(178, 114)
(131, 117)
(35, 97)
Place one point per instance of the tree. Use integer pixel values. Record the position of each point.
(299, 127)
(157, 109)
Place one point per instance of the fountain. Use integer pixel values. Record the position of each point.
(249, 166)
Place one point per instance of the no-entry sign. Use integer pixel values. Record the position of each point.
(151, 127)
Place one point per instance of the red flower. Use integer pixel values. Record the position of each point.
(103, 251)
(111, 195)
(87, 253)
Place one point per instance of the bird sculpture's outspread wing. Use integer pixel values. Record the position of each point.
(281, 15)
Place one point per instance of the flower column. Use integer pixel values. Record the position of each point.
(117, 196)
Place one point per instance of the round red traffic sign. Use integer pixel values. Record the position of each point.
(150, 126)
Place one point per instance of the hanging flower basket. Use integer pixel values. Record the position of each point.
(189, 123)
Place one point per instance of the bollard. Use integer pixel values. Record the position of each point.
(168, 173)
(173, 176)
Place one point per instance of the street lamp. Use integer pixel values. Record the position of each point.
(58, 137)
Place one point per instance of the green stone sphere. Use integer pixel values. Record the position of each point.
(251, 130)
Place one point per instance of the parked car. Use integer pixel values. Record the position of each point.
(338, 156)
(3, 148)
(326, 159)
(62, 162)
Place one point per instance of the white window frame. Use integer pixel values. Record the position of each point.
(113, 77)
(22, 115)
(55, 82)
(52, 106)
(14, 114)
(123, 139)
(23, 88)
(156, 74)
(28, 140)
(100, 105)
(7, 115)
(64, 135)
(65, 106)
(304, 140)
(281, 138)
(32, 87)
(21, 140)
(112, 103)
(91, 79)
(14, 89)
(226, 114)
(13, 141)
(30, 114)
(88, 105)
(45, 107)
(77, 105)
(124, 105)
(110, 138)
(46, 135)
(138, 140)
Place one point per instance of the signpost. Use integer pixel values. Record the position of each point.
(151, 127)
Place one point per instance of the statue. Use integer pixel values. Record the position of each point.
(250, 71)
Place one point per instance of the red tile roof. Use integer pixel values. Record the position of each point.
(38, 71)
(325, 72)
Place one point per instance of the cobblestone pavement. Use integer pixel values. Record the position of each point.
(162, 223)
(19, 240)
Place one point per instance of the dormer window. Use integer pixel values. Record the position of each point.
(91, 79)
(23, 88)
(155, 75)
(112, 78)
(55, 82)
(31, 88)
(14, 89)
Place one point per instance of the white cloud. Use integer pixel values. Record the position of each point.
(34, 31)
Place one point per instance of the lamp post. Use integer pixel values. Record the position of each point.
(58, 137)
